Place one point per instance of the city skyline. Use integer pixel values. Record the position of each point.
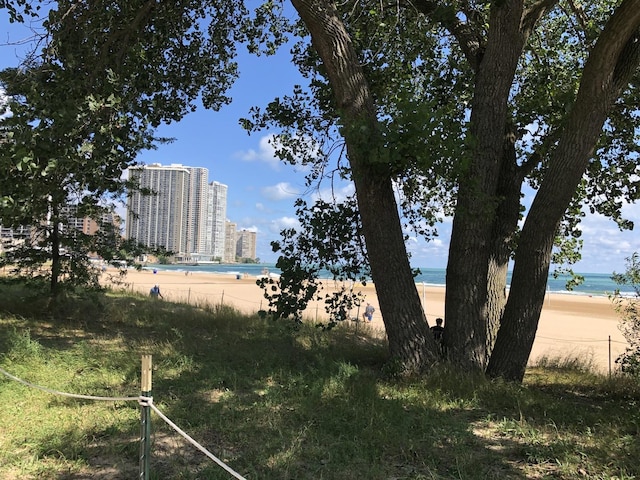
(178, 209)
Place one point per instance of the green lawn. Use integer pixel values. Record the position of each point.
(276, 402)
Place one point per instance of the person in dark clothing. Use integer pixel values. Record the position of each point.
(437, 330)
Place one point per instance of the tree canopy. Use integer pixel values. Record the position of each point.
(87, 100)
(459, 106)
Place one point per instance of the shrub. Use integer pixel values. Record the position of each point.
(628, 307)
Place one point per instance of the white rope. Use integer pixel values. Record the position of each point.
(144, 402)
(70, 395)
(149, 402)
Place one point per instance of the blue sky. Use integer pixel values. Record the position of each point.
(262, 191)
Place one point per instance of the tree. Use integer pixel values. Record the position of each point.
(628, 307)
(513, 133)
(611, 64)
(410, 341)
(62, 157)
(87, 103)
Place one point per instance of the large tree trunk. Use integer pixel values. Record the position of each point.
(466, 311)
(503, 237)
(410, 341)
(612, 62)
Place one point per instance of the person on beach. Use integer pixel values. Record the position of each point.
(368, 312)
(437, 330)
(155, 292)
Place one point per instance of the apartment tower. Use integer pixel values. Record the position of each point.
(198, 211)
(158, 218)
(246, 244)
(216, 220)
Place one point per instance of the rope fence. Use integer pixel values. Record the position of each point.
(584, 341)
(146, 405)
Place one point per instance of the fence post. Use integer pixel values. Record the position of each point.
(145, 419)
(609, 356)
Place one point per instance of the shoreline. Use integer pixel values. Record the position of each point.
(585, 326)
(232, 275)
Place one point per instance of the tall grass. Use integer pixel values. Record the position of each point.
(276, 401)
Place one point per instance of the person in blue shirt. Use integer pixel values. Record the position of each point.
(155, 292)
(368, 312)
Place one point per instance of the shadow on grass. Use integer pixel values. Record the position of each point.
(278, 402)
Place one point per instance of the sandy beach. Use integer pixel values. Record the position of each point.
(569, 324)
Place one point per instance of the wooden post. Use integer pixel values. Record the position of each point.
(145, 418)
(609, 356)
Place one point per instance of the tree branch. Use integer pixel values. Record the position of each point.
(579, 13)
(469, 34)
(534, 13)
(628, 63)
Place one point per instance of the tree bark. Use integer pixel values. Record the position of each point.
(503, 237)
(611, 64)
(410, 341)
(466, 310)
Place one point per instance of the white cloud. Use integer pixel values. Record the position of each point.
(431, 254)
(276, 225)
(266, 152)
(280, 191)
(335, 194)
(605, 246)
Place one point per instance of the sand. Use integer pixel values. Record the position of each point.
(570, 325)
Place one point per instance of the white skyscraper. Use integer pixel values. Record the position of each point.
(198, 211)
(216, 218)
(174, 216)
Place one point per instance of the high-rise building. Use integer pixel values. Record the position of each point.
(216, 220)
(230, 242)
(184, 213)
(159, 218)
(246, 244)
(197, 211)
(12, 237)
(87, 225)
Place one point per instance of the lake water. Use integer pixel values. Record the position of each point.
(599, 284)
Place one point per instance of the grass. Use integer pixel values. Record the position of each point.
(275, 402)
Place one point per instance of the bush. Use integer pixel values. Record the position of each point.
(628, 306)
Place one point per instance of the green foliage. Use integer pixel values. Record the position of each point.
(628, 307)
(17, 9)
(85, 105)
(328, 247)
(160, 57)
(422, 80)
